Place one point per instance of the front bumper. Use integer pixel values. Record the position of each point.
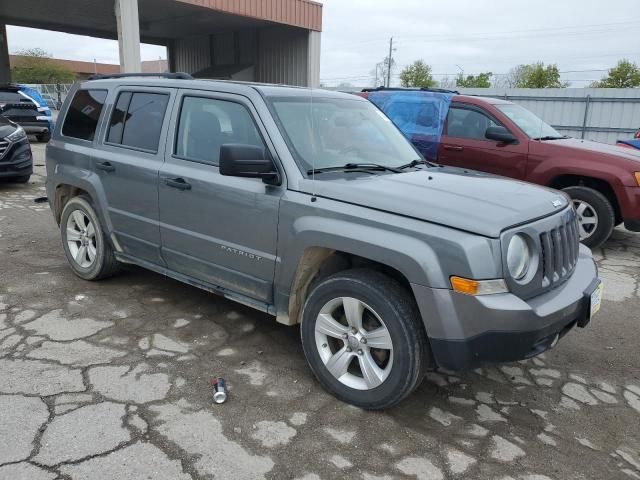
(17, 161)
(466, 331)
(629, 201)
(36, 126)
(632, 225)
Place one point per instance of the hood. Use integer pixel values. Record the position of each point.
(596, 148)
(6, 127)
(466, 200)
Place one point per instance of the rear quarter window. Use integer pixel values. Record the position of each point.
(83, 114)
(137, 120)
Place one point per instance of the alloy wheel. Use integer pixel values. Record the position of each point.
(354, 343)
(81, 239)
(587, 218)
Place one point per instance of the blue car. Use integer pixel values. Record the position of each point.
(26, 107)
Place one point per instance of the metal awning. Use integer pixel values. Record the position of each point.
(161, 20)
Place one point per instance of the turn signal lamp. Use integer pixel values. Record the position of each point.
(478, 287)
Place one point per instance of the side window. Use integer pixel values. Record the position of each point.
(467, 123)
(83, 114)
(205, 124)
(136, 120)
(116, 125)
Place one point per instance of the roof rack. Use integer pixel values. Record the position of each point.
(421, 89)
(173, 76)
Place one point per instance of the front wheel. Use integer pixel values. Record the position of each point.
(363, 338)
(596, 217)
(88, 252)
(43, 137)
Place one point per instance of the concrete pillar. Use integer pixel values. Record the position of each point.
(128, 35)
(5, 67)
(313, 59)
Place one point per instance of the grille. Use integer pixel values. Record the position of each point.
(560, 251)
(4, 145)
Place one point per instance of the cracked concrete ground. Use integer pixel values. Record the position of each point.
(113, 380)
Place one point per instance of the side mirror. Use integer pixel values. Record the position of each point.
(500, 134)
(249, 161)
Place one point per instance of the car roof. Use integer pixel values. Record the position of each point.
(457, 97)
(265, 89)
(9, 87)
(476, 98)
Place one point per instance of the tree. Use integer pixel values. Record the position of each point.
(625, 74)
(418, 74)
(379, 73)
(36, 66)
(482, 80)
(447, 83)
(511, 79)
(535, 75)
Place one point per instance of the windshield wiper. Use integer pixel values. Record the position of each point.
(551, 137)
(354, 166)
(416, 162)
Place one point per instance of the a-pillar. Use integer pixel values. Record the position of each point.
(128, 35)
(5, 67)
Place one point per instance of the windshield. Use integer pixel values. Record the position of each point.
(337, 131)
(533, 126)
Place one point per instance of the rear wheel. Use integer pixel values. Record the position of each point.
(596, 217)
(363, 338)
(88, 252)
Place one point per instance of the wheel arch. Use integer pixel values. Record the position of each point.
(63, 193)
(560, 182)
(317, 263)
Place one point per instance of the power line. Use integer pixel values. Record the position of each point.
(524, 33)
(356, 77)
(601, 28)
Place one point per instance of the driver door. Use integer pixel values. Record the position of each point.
(219, 230)
(464, 145)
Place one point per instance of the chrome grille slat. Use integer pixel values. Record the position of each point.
(4, 145)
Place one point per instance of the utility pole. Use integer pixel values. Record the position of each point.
(389, 62)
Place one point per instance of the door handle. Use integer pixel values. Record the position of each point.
(179, 183)
(106, 166)
(455, 148)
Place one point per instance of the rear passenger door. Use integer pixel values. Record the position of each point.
(219, 230)
(128, 162)
(463, 144)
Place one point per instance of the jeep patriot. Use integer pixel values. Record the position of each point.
(313, 207)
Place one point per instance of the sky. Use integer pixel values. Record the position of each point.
(583, 37)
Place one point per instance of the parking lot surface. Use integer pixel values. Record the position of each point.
(113, 380)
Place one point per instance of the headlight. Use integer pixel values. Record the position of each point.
(518, 257)
(16, 136)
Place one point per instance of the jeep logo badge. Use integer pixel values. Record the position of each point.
(557, 203)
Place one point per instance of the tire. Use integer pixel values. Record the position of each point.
(79, 215)
(20, 179)
(596, 208)
(386, 304)
(43, 137)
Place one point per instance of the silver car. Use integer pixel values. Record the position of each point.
(312, 206)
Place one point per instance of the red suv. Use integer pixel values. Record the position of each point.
(503, 138)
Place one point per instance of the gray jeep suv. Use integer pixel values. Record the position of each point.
(312, 206)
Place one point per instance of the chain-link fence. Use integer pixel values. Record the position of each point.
(53, 93)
